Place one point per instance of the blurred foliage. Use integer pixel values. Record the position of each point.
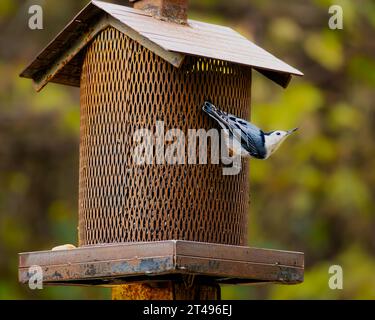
(315, 195)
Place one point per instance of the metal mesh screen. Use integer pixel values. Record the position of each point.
(125, 87)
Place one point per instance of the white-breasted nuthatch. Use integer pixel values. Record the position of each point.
(244, 138)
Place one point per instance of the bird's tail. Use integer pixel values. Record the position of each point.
(215, 113)
(211, 110)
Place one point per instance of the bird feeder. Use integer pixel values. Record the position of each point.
(172, 231)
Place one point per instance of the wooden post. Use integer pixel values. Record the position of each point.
(168, 290)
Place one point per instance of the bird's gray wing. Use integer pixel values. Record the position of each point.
(250, 136)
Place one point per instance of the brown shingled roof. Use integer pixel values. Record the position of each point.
(61, 60)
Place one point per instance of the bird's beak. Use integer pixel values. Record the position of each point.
(291, 131)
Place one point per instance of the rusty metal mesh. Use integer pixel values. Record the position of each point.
(125, 87)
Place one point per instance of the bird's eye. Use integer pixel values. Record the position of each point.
(278, 133)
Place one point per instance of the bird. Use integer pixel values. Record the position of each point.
(244, 138)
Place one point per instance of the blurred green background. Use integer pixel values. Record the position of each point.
(315, 195)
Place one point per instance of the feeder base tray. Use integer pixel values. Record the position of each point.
(113, 264)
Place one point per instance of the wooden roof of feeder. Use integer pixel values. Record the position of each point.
(61, 60)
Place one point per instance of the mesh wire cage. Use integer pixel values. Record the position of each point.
(125, 88)
(156, 219)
